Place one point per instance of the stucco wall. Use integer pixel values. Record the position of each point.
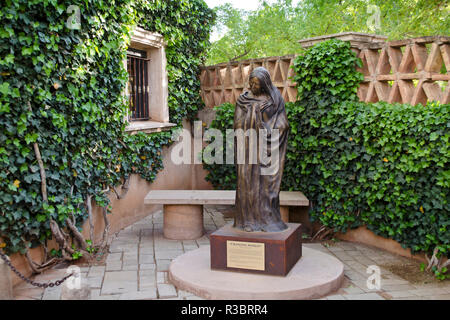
(365, 236)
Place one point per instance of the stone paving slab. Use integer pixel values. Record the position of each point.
(438, 297)
(147, 266)
(114, 266)
(117, 282)
(95, 282)
(96, 271)
(168, 254)
(136, 268)
(401, 294)
(147, 280)
(52, 293)
(352, 290)
(139, 295)
(146, 258)
(166, 290)
(163, 265)
(364, 296)
(146, 250)
(27, 293)
(336, 297)
(114, 257)
(131, 267)
(398, 287)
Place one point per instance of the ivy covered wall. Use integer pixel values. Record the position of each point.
(62, 139)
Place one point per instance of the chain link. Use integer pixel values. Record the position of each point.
(27, 280)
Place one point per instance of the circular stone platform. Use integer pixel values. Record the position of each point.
(316, 274)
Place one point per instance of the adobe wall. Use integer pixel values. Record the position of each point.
(366, 236)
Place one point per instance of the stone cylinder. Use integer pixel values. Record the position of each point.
(6, 291)
(71, 292)
(284, 212)
(183, 222)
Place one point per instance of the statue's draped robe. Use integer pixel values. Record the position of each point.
(257, 196)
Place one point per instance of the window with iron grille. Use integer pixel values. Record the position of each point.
(138, 84)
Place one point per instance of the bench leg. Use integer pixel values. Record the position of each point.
(183, 222)
(284, 211)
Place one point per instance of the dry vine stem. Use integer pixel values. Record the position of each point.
(323, 232)
(61, 237)
(125, 186)
(91, 219)
(435, 262)
(105, 243)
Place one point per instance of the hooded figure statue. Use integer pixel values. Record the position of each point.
(261, 115)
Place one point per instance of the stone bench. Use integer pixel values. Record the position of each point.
(183, 209)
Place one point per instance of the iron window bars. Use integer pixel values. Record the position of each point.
(138, 86)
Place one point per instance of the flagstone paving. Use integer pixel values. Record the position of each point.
(136, 268)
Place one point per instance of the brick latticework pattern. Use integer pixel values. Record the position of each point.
(226, 81)
(404, 71)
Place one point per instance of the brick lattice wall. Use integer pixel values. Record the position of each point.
(405, 71)
(226, 81)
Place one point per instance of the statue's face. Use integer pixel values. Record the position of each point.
(255, 86)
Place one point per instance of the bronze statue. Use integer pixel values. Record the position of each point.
(257, 195)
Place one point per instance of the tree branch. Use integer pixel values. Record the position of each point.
(37, 268)
(77, 234)
(91, 221)
(104, 243)
(240, 56)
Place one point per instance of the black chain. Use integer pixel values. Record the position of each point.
(27, 280)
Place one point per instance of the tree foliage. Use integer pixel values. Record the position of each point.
(274, 29)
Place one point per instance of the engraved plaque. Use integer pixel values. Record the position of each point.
(245, 255)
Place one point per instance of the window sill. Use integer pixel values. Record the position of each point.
(148, 126)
